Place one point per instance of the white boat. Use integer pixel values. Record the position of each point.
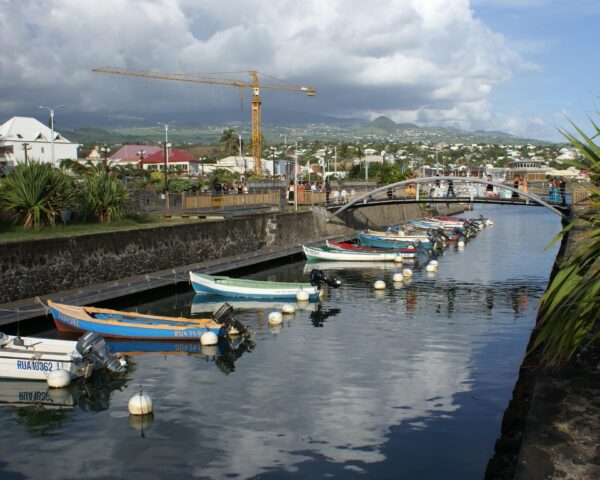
(240, 287)
(325, 253)
(34, 358)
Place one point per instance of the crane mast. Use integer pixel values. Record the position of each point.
(254, 84)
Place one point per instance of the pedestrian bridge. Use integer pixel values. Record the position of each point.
(448, 189)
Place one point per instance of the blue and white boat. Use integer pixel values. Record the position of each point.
(383, 241)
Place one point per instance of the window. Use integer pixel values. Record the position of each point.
(6, 149)
(42, 149)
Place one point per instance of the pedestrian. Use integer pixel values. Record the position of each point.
(516, 183)
(562, 186)
(489, 189)
(290, 192)
(327, 190)
(554, 195)
(524, 185)
(450, 189)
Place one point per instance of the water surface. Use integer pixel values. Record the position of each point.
(410, 382)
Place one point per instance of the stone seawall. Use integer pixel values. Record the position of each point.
(41, 267)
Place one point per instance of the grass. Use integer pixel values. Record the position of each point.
(16, 233)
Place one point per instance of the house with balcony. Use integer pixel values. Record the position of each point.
(26, 136)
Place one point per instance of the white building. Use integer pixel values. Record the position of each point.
(26, 134)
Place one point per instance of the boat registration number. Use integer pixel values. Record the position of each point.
(38, 366)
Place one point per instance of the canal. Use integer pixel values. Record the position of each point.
(409, 382)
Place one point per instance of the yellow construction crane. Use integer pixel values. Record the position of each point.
(253, 84)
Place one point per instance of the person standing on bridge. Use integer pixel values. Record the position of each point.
(524, 185)
(489, 189)
(516, 183)
(562, 186)
(450, 189)
(327, 190)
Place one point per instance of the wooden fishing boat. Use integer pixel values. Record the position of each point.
(326, 253)
(396, 234)
(239, 287)
(117, 324)
(354, 246)
(33, 358)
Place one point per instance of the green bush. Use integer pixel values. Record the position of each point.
(37, 192)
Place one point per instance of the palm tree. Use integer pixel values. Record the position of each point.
(104, 196)
(37, 192)
(570, 308)
(229, 141)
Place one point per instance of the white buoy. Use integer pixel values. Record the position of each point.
(379, 285)
(140, 404)
(398, 277)
(288, 308)
(434, 263)
(59, 379)
(398, 259)
(209, 338)
(275, 318)
(407, 272)
(430, 268)
(460, 244)
(302, 296)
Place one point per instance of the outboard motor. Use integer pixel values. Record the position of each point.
(318, 278)
(225, 315)
(93, 348)
(437, 240)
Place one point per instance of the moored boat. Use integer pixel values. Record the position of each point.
(35, 358)
(354, 246)
(326, 253)
(241, 287)
(118, 324)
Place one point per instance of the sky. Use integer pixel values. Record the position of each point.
(519, 66)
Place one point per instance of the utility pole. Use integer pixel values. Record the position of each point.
(104, 149)
(26, 147)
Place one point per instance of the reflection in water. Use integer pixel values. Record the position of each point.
(410, 386)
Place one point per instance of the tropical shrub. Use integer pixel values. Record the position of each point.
(37, 192)
(103, 195)
(570, 308)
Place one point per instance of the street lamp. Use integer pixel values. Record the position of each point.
(166, 159)
(296, 174)
(104, 149)
(51, 109)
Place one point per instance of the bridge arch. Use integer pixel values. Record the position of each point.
(456, 180)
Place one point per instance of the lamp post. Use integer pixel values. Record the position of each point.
(51, 109)
(104, 149)
(296, 175)
(26, 147)
(273, 160)
(166, 159)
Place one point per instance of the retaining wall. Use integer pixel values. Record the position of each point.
(40, 267)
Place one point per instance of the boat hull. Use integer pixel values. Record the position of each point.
(388, 242)
(354, 256)
(38, 357)
(68, 318)
(249, 288)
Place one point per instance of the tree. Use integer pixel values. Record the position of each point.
(104, 196)
(37, 192)
(229, 142)
(570, 308)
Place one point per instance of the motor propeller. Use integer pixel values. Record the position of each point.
(318, 278)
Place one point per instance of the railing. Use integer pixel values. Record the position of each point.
(220, 201)
(581, 195)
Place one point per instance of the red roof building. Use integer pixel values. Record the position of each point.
(177, 160)
(129, 154)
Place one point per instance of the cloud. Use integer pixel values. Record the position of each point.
(428, 60)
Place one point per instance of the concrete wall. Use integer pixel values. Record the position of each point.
(40, 267)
